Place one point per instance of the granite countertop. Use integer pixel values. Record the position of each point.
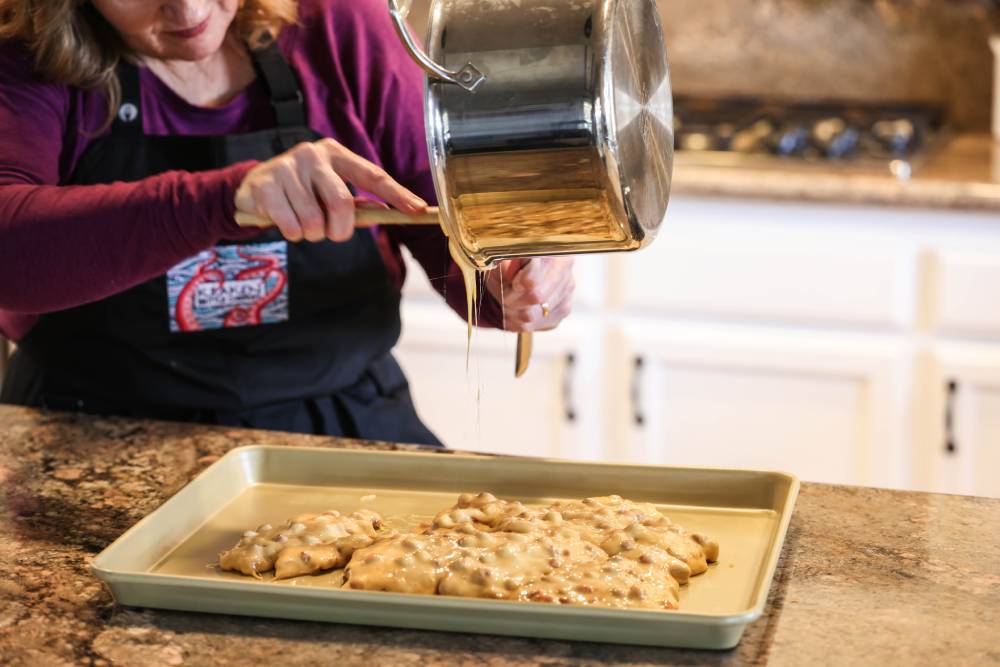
(961, 173)
(866, 576)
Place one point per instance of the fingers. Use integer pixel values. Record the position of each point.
(537, 318)
(263, 194)
(304, 191)
(547, 281)
(277, 191)
(301, 197)
(559, 308)
(506, 283)
(371, 178)
(529, 286)
(510, 268)
(370, 204)
(536, 282)
(336, 221)
(338, 202)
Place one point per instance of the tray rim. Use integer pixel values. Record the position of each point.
(446, 603)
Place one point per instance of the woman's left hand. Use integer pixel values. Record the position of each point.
(536, 294)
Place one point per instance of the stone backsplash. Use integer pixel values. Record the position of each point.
(932, 51)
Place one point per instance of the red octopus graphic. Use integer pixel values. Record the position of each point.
(184, 311)
(268, 268)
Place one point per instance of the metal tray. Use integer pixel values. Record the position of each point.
(167, 560)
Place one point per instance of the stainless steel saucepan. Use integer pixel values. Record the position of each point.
(549, 124)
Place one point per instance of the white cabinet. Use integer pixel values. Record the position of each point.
(482, 407)
(555, 410)
(818, 405)
(963, 291)
(770, 262)
(959, 425)
(845, 344)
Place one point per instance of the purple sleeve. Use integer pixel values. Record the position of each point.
(389, 94)
(63, 246)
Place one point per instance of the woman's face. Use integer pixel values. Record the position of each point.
(170, 29)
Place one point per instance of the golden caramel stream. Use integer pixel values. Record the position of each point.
(470, 274)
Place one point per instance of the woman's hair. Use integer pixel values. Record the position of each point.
(73, 45)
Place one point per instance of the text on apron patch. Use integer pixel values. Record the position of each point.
(229, 286)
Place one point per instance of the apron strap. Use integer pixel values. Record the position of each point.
(273, 69)
(128, 118)
(286, 94)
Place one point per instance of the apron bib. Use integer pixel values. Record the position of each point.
(262, 333)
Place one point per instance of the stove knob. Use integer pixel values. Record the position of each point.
(791, 140)
(845, 144)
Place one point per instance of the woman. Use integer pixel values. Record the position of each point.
(131, 131)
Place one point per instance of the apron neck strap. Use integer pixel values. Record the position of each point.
(128, 117)
(271, 67)
(286, 95)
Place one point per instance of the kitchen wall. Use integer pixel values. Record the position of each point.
(931, 51)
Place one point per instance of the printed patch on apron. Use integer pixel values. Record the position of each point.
(229, 286)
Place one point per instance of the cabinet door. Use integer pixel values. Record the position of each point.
(474, 402)
(821, 406)
(958, 425)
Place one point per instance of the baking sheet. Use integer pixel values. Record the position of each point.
(168, 559)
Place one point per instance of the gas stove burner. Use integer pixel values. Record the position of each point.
(898, 135)
(865, 136)
(835, 138)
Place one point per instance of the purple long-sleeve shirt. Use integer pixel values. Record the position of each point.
(63, 246)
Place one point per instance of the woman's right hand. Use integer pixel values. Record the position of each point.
(304, 191)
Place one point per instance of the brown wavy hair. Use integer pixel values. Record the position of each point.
(73, 45)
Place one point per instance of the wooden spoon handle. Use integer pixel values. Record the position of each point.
(364, 217)
(522, 356)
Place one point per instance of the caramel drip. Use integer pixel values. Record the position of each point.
(470, 276)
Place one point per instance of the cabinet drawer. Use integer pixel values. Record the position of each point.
(723, 260)
(965, 293)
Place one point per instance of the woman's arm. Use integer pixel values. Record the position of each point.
(63, 246)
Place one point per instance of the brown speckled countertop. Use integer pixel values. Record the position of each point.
(867, 576)
(962, 173)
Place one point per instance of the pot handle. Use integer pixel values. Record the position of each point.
(469, 77)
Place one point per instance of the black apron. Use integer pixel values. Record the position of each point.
(261, 333)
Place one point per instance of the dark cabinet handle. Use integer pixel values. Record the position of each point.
(950, 443)
(567, 388)
(638, 416)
